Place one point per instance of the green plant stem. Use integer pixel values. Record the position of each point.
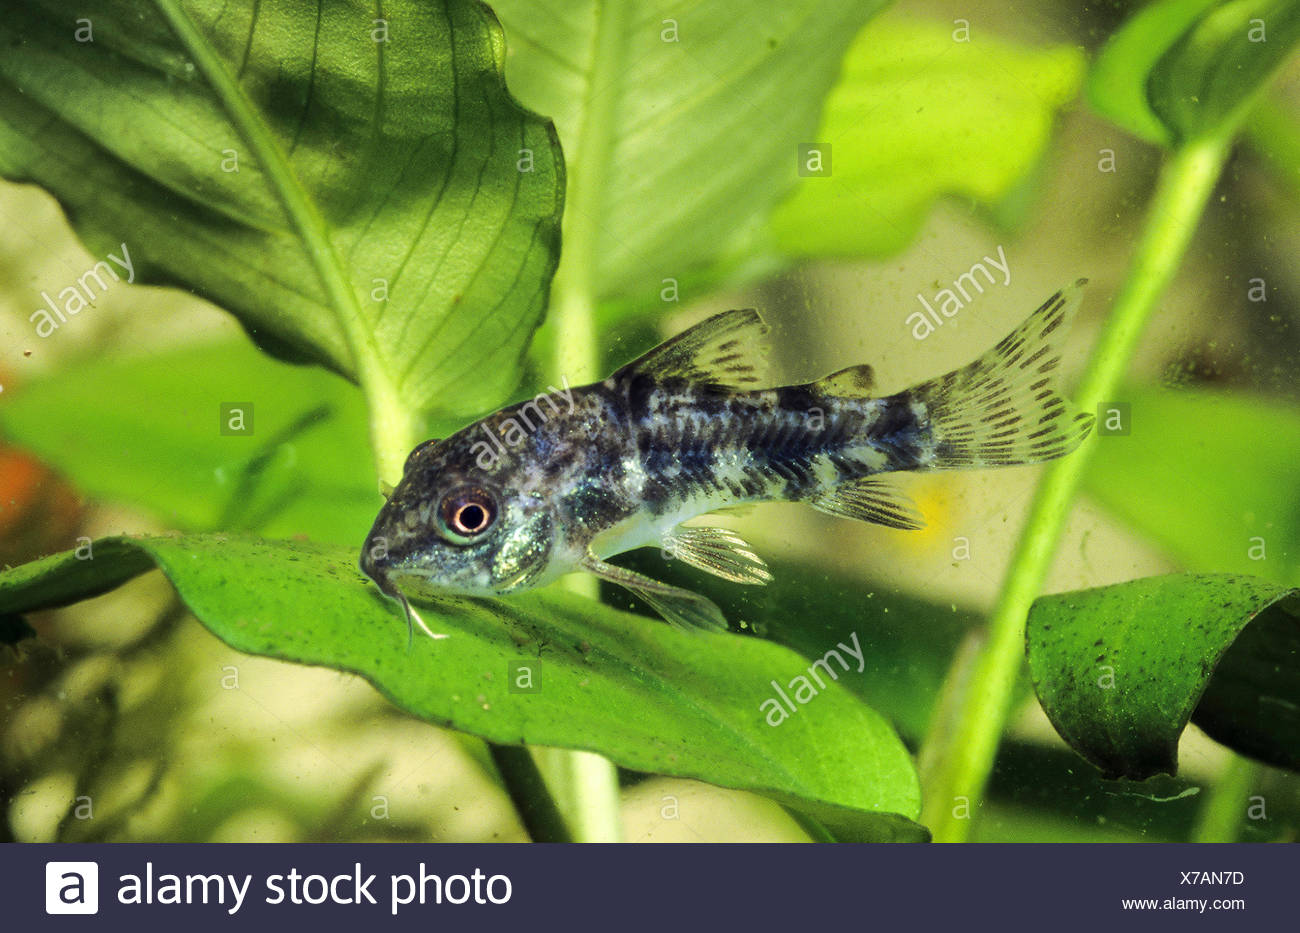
(964, 761)
(537, 809)
(573, 292)
(597, 807)
(1220, 816)
(586, 789)
(585, 783)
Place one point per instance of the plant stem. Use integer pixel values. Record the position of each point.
(585, 783)
(963, 764)
(537, 809)
(1220, 816)
(393, 430)
(586, 789)
(587, 151)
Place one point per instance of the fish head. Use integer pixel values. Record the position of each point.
(452, 527)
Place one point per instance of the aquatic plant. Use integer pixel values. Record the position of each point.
(419, 217)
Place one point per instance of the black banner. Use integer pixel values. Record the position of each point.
(514, 887)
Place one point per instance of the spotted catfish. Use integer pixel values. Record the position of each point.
(559, 484)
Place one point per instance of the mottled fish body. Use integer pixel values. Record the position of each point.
(573, 476)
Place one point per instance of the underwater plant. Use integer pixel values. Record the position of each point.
(421, 214)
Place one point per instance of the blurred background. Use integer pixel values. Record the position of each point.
(125, 720)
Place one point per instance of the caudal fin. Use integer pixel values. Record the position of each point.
(1006, 407)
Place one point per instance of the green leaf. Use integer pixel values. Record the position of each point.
(1208, 475)
(1120, 670)
(649, 697)
(680, 121)
(1118, 85)
(1182, 69)
(907, 643)
(152, 434)
(917, 115)
(347, 185)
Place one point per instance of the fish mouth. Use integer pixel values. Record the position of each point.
(371, 567)
(378, 577)
(378, 567)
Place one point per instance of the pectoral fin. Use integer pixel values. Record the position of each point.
(870, 500)
(680, 607)
(719, 551)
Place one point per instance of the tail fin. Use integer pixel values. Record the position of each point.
(1005, 408)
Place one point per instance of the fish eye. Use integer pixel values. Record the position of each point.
(465, 513)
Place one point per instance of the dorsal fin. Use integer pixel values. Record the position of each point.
(724, 350)
(849, 382)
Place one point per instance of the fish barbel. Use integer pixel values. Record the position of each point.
(563, 481)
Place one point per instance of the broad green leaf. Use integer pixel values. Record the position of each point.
(680, 121)
(1118, 85)
(1210, 476)
(917, 114)
(1211, 77)
(345, 179)
(1181, 69)
(1120, 670)
(907, 643)
(153, 434)
(647, 696)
